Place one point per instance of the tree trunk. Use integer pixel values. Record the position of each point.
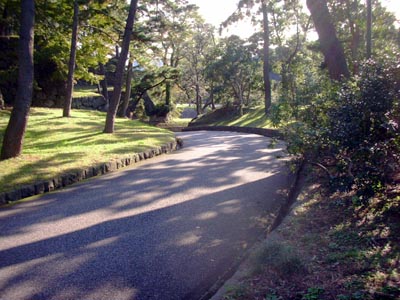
(267, 82)
(2, 104)
(167, 93)
(116, 51)
(330, 45)
(198, 99)
(104, 85)
(212, 97)
(369, 29)
(119, 74)
(15, 131)
(128, 85)
(149, 105)
(71, 64)
(355, 36)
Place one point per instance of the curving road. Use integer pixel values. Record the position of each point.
(165, 229)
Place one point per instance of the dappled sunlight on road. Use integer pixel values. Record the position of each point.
(141, 232)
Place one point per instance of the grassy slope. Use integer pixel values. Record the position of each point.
(254, 117)
(85, 91)
(54, 145)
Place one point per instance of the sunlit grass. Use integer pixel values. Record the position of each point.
(54, 145)
(254, 117)
(85, 91)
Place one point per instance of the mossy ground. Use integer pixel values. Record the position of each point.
(340, 249)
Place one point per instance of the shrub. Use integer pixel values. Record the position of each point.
(280, 258)
(358, 131)
(160, 110)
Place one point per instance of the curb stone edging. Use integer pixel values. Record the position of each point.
(274, 133)
(45, 186)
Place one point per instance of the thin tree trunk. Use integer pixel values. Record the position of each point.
(369, 29)
(15, 131)
(2, 104)
(128, 85)
(119, 74)
(168, 93)
(198, 99)
(267, 82)
(212, 97)
(355, 36)
(104, 85)
(330, 44)
(116, 51)
(71, 64)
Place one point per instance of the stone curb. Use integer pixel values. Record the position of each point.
(66, 179)
(274, 133)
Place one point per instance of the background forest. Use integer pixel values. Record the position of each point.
(337, 93)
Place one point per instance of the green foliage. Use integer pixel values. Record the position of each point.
(313, 293)
(228, 116)
(358, 129)
(234, 70)
(160, 110)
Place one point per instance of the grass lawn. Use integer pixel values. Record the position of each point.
(85, 91)
(254, 117)
(54, 145)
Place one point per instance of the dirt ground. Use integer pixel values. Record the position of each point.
(330, 246)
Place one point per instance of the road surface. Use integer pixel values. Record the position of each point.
(167, 228)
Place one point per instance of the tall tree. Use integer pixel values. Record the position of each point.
(15, 131)
(267, 82)
(235, 69)
(173, 22)
(369, 28)
(195, 53)
(71, 64)
(330, 45)
(119, 74)
(128, 86)
(247, 5)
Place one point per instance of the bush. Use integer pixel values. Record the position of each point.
(358, 131)
(160, 110)
(280, 258)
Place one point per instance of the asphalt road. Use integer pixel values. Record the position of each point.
(165, 229)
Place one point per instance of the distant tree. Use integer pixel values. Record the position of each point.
(172, 22)
(234, 69)
(350, 18)
(128, 84)
(15, 131)
(119, 74)
(267, 82)
(369, 28)
(196, 54)
(330, 45)
(244, 9)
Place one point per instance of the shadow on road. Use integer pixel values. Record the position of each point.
(166, 229)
